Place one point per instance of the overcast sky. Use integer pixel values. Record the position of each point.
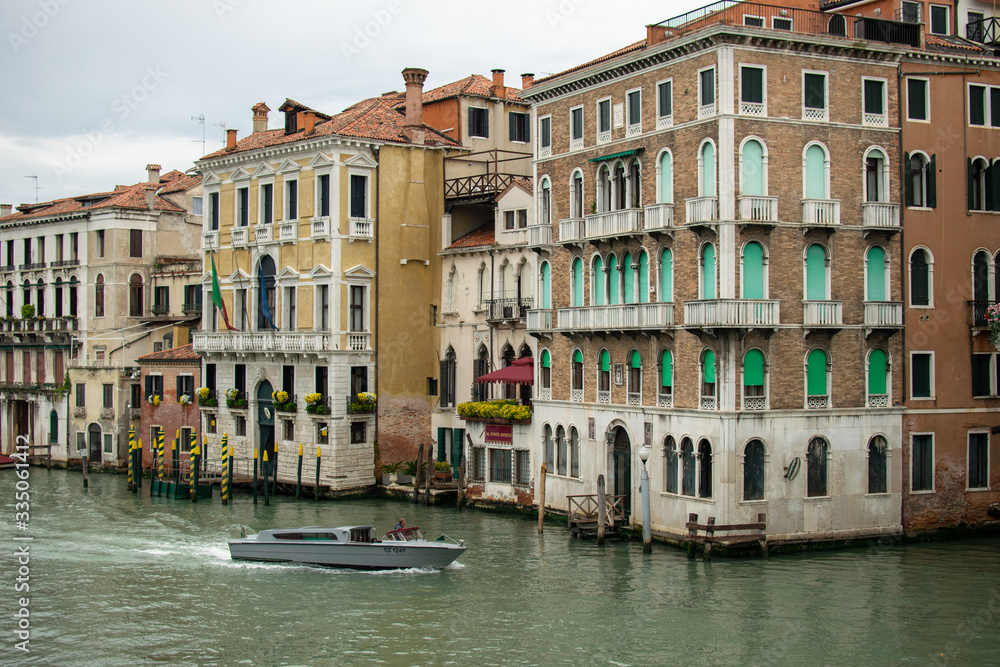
(96, 89)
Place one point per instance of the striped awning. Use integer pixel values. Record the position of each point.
(602, 158)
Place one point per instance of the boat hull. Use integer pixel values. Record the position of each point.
(376, 556)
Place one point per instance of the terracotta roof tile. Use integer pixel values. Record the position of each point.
(182, 353)
(481, 236)
(474, 85)
(614, 54)
(177, 181)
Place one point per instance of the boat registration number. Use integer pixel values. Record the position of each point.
(394, 550)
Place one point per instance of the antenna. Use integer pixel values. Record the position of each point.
(201, 119)
(222, 125)
(35, 176)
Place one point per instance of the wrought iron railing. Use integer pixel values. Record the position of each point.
(978, 309)
(507, 309)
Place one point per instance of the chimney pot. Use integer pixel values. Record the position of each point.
(153, 170)
(414, 127)
(231, 139)
(259, 117)
(5, 209)
(497, 89)
(527, 81)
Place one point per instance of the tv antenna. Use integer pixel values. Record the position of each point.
(222, 126)
(201, 119)
(35, 176)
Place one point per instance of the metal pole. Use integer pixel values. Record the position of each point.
(647, 540)
(541, 497)
(267, 472)
(602, 509)
(298, 475)
(254, 475)
(318, 455)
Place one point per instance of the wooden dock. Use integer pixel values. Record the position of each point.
(725, 535)
(583, 515)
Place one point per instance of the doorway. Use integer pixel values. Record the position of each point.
(94, 443)
(622, 453)
(265, 420)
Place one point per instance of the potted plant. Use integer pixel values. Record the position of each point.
(993, 321)
(365, 403)
(314, 404)
(205, 398)
(411, 467)
(442, 471)
(27, 311)
(283, 401)
(185, 399)
(392, 470)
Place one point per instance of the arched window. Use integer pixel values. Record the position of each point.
(817, 273)
(577, 378)
(706, 170)
(550, 450)
(816, 468)
(666, 276)
(754, 397)
(597, 281)
(670, 469)
(817, 379)
(561, 450)
(54, 422)
(577, 283)
(704, 469)
(58, 297)
(72, 296)
(545, 373)
(619, 188)
(666, 379)
(481, 366)
(99, 296)
(604, 377)
(707, 271)
(837, 25)
(878, 375)
(708, 401)
(980, 194)
(643, 277)
(752, 181)
(628, 279)
(448, 371)
(878, 451)
(614, 281)
(666, 178)
(574, 452)
(687, 467)
(921, 188)
(920, 278)
(266, 302)
(603, 189)
(753, 470)
(576, 195)
(27, 292)
(634, 185)
(815, 177)
(635, 378)
(876, 176)
(545, 203)
(753, 271)
(508, 288)
(40, 310)
(484, 291)
(135, 296)
(10, 298)
(981, 279)
(876, 274)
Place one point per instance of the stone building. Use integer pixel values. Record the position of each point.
(719, 212)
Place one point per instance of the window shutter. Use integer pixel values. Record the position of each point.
(907, 180)
(993, 187)
(921, 375)
(180, 387)
(932, 182)
(486, 122)
(970, 190)
(988, 187)
(995, 107)
(512, 118)
(526, 123)
(472, 122)
(980, 375)
(149, 385)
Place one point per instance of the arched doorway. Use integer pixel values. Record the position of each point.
(94, 442)
(622, 468)
(265, 420)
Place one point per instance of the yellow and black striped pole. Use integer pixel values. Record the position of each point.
(195, 465)
(161, 448)
(267, 471)
(255, 475)
(224, 482)
(131, 459)
(138, 464)
(318, 455)
(175, 460)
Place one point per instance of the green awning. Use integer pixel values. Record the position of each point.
(602, 158)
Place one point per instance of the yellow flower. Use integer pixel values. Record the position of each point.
(203, 393)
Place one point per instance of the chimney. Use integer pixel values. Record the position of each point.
(154, 173)
(150, 194)
(497, 89)
(231, 139)
(527, 81)
(309, 122)
(259, 117)
(414, 127)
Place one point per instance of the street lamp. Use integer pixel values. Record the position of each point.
(647, 540)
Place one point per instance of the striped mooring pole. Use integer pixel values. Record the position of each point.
(131, 459)
(176, 458)
(138, 464)
(298, 477)
(224, 482)
(229, 477)
(318, 455)
(160, 446)
(195, 464)
(267, 472)
(254, 475)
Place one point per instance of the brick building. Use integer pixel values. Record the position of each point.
(173, 376)
(724, 255)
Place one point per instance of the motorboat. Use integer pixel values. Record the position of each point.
(356, 547)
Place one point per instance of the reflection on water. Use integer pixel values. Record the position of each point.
(119, 579)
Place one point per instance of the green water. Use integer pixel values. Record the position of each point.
(123, 580)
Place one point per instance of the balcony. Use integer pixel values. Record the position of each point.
(359, 341)
(539, 322)
(288, 231)
(878, 401)
(984, 30)
(822, 314)
(539, 236)
(160, 309)
(625, 317)
(576, 395)
(883, 315)
(817, 402)
(7, 268)
(270, 341)
(978, 314)
(571, 230)
(758, 209)
(754, 403)
(702, 210)
(319, 228)
(658, 218)
(240, 237)
(737, 313)
(613, 223)
(665, 400)
(263, 233)
(360, 229)
(821, 213)
(32, 265)
(63, 262)
(880, 217)
(510, 309)
(191, 308)
(210, 240)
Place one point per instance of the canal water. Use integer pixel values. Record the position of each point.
(118, 579)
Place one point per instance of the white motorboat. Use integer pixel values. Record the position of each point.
(356, 547)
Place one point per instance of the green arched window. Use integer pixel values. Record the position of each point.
(816, 273)
(598, 281)
(643, 277)
(753, 271)
(635, 373)
(545, 373)
(546, 300)
(707, 170)
(577, 370)
(629, 278)
(708, 373)
(815, 179)
(708, 271)
(666, 373)
(577, 282)
(613, 280)
(666, 178)
(53, 426)
(876, 274)
(604, 372)
(667, 276)
(816, 373)
(752, 178)
(877, 372)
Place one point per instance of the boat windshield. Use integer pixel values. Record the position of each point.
(404, 535)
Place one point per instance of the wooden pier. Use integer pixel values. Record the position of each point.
(725, 535)
(583, 514)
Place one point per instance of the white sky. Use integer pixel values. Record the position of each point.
(96, 89)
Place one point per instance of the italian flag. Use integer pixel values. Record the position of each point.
(217, 295)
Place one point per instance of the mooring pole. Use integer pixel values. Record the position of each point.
(83, 458)
(138, 464)
(224, 481)
(647, 539)
(274, 483)
(416, 473)
(461, 482)
(298, 475)
(254, 475)
(195, 466)
(541, 498)
(430, 475)
(602, 509)
(131, 459)
(318, 455)
(267, 472)
(230, 475)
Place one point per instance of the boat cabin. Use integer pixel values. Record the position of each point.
(310, 533)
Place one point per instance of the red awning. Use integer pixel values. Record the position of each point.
(522, 371)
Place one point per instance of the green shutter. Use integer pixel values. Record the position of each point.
(753, 271)
(643, 277)
(708, 271)
(598, 280)
(457, 445)
(442, 439)
(752, 177)
(876, 274)
(708, 366)
(629, 277)
(707, 171)
(547, 286)
(636, 359)
(907, 180)
(816, 373)
(666, 178)
(815, 173)
(932, 182)
(667, 276)
(546, 359)
(666, 369)
(876, 372)
(612, 280)
(605, 361)
(815, 272)
(753, 369)
(993, 187)
(578, 357)
(988, 187)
